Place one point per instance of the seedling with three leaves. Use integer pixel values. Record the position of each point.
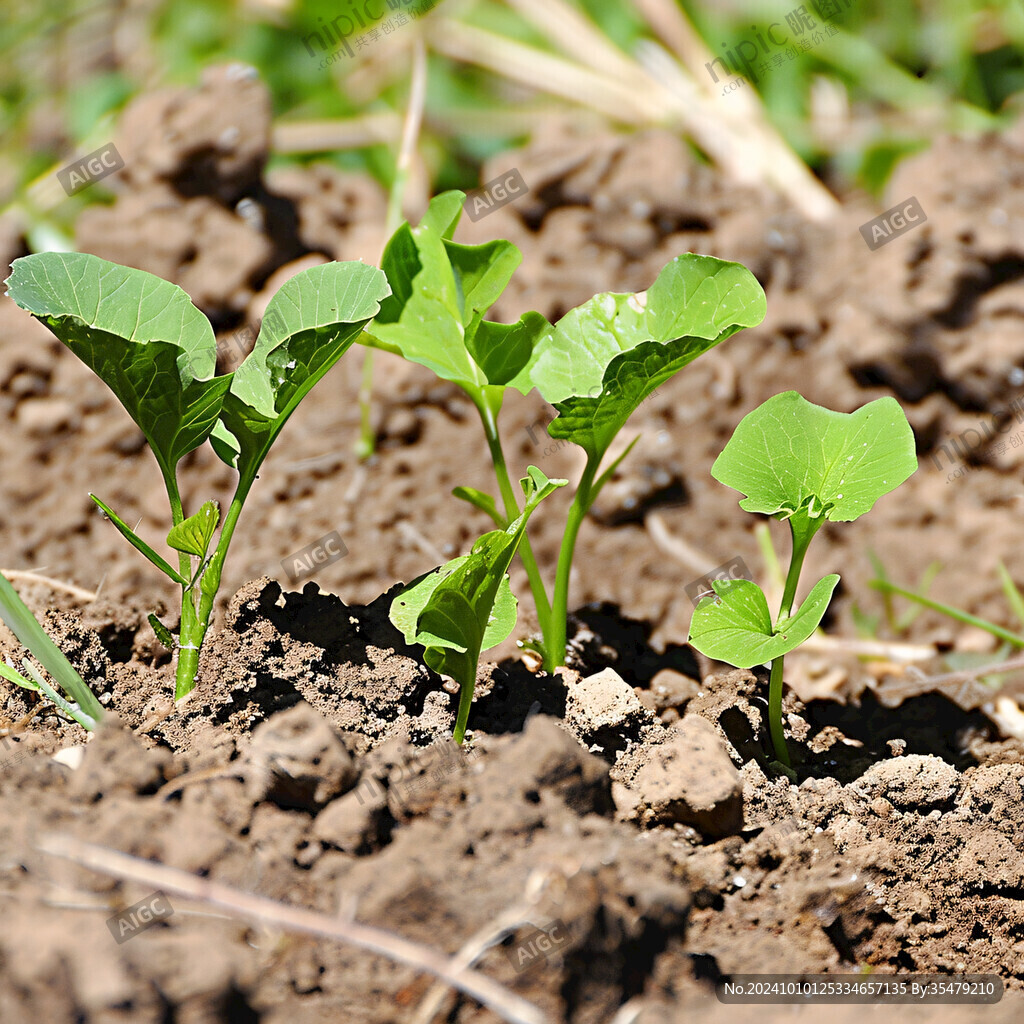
(595, 366)
(157, 353)
(466, 605)
(805, 465)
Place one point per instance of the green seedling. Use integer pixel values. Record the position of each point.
(79, 702)
(595, 366)
(157, 353)
(466, 606)
(805, 465)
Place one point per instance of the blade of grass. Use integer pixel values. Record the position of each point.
(1012, 592)
(954, 613)
(23, 624)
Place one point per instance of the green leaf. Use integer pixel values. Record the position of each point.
(461, 608)
(23, 624)
(605, 357)
(440, 293)
(163, 634)
(309, 324)
(193, 535)
(139, 544)
(789, 455)
(139, 333)
(735, 626)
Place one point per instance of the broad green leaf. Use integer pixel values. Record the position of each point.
(139, 544)
(309, 324)
(139, 333)
(193, 535)
(790, 456)
(440, 293)
(406, 609)
(603, 358)
(24, 625)
(735, 625)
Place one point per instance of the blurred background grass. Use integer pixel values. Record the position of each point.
(889, 78)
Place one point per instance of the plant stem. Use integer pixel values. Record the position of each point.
(554, 644)
(465, 703)
(185, 679)
(508, 496)
(801, 541)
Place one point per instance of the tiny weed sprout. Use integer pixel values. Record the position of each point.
(80, 702)
(157, 353)
(466, 605)
(595, 366)
(802, 464)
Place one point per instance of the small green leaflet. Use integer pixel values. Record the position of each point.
(193, 535)
(790, 455)
(735, 626)
(163, 634)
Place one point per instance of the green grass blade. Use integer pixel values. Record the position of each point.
(41, 685)
(25, 627)
(954, 613)
(1012, 592)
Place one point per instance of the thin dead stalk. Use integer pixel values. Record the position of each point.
(245, 906)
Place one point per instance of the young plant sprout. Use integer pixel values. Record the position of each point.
(595, 366)
(157, 353)
(802, 464)
(466, 605)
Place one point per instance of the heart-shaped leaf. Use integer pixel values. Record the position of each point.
(309, 325)
(791, 456)
(140, 334)
(735, 625)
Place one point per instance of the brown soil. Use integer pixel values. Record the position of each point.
(630, 797)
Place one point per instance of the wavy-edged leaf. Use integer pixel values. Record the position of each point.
(735, 625)
(603, 358)
(440, 292)
(789, 455)
(309, 325)
(137, 332)
(192, 536)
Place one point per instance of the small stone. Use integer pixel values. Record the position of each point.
(602, 706)
(43, 416)
(916, 782)
(688, 778)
